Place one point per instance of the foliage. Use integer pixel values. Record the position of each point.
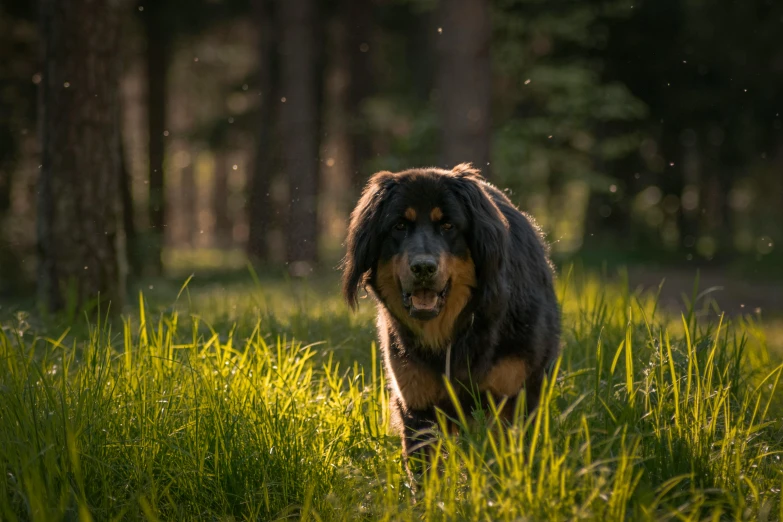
(556, 115)
(208, 409)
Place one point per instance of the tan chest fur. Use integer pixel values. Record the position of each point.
(435, 333)
(421, 388)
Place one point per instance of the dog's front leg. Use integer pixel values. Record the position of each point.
(419, 439)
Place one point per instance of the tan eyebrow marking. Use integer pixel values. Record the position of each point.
(410, 214)
(436, 214)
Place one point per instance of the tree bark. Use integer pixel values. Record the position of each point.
(299, 128)
(421, 52)
(7, 166)
(464, 81)
(158, 57)
(223, 232)
(189, 190)
(10, 273)
(688, 218)
(260, 205)
(80, 131)
(128, 214)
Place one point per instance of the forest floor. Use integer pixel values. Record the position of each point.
(237, 397)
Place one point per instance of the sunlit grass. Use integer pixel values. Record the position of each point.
(212, 408)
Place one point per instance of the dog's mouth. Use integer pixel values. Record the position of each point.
(425, 303)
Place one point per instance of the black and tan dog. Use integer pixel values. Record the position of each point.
(464, 287)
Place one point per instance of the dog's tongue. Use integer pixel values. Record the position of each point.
(424, 299)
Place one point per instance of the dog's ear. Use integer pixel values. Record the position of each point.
(488, 236)
(364, 238)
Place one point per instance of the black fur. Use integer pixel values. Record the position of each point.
(512, 312)
(363, 241)
(488, 235)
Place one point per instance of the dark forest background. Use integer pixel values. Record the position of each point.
(145, 138)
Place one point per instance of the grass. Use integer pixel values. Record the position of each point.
(222, 404)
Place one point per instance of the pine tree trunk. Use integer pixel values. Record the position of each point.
(260, 206)
(80, 131)
(6, 175)
(158, 54)
(128, 214)
(223, 233)
(10, 274)
(688, 218)
(189, 191)
(358, 30)
(465, 82)
(299, 128)
(421, 52)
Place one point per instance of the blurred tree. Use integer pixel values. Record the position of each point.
(158, 34)
(401, 114)
(464, 81)
(19, 59)
(223, 231)
(358, 28)
(619, 119)
(78, 188)
(260, 204)
(299, 123)
(712, 81)
(190, 200)
(562, 129)
(135, 264)
(6, 171)
(165, 23)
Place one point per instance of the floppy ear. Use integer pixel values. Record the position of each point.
(488, 237)
(363, 242)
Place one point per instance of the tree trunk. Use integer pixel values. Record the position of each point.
(80, 131)
(718, 218)
(7, 166)
(223, 232)
(358, 30)
(128, 214)
(421, 51)
(688, 218)
(260, 205)
(464, 81)
(158, 55)
(189, 190)
(299, 129)
(10, 273)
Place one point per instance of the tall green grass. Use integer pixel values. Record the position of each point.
(212, 411)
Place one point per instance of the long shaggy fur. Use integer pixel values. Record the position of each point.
(501, 316)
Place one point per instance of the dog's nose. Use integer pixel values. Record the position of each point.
(424, 267)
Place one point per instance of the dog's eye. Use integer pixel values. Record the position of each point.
(446, 226)
(401, 226)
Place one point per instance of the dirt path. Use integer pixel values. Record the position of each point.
(733, 295)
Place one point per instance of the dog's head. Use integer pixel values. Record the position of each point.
(427, 241)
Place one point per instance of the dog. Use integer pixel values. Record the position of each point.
(464, 288)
